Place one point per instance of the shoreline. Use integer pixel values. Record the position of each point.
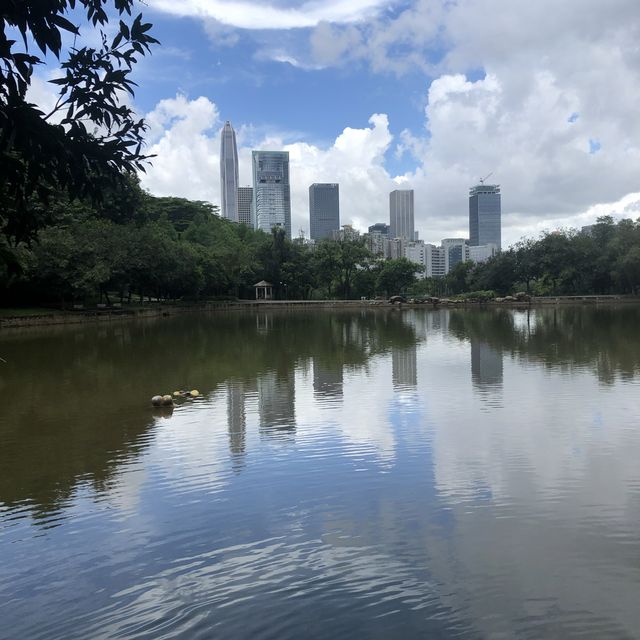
(50, 318)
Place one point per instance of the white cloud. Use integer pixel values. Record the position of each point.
(187, 162)
(44, 94)
(471, 134)
(518, 89)
(187, 158)
(507, 79)
(254, 15)
(279, 55)
(524, 136)
(356, 161)
(330, 44)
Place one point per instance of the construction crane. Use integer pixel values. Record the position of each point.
(485, 178)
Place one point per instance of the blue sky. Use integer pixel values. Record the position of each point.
(422, 94)
(248, 86)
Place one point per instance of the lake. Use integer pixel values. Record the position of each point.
(345, 474)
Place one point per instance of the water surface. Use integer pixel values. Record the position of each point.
(374, 474)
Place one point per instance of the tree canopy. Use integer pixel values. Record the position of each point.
(91, 139)
(605, 259)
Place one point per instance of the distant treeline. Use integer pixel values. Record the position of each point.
(132, 246)
(605, 259)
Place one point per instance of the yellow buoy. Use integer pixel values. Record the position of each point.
(167, 400)
(194, 393)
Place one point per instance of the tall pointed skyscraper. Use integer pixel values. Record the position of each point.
(229, 173)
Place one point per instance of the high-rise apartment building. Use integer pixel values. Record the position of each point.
(485, 215)
(415, 251)
(271, 192)
(376, 238)
(245, 206)
(455, 250)
(401, 214)
(228, 173)
(324, 210)
(394, 248)
(434, 261)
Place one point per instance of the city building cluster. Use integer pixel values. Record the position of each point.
(267, 204)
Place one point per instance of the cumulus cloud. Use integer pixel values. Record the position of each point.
(255, 15)
(546, 181)
(543, 95)
(185, 138)
(541, 158)
(187, 159)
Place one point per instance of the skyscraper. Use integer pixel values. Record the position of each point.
(401, 214)
(229, 173)
(485, 215)
(324, 209)
(271, 193)
(245, 206)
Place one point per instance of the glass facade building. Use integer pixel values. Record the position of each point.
(271, 191)
(228, 173)
(455, 250)
(381, 228)
(485, 215)
(324, 210)
(245, 206)
(401, 214)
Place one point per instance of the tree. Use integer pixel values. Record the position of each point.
(396, 276)
(352, 254)
(499, 274)
(628, 266)
(456, 279)
(326, 265)
(91, 139)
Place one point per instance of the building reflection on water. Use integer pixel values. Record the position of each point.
(486, 366)
(277, 402)
(237, 420)
(49, 448)
(404, 367)
(328, 380)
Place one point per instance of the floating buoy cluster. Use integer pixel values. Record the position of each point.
(178, 396)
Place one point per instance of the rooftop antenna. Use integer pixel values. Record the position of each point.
(485, 178)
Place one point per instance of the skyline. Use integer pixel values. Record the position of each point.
(324, 207)
(408, 95)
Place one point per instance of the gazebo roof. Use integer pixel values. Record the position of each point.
(263, 283)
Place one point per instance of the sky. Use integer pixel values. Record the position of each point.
(430, 95)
